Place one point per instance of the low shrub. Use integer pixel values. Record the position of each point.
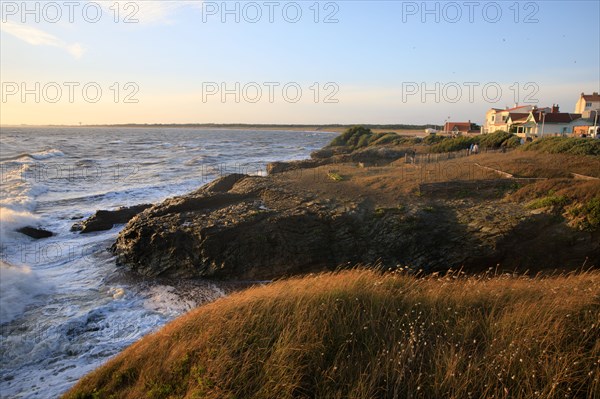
(494, 140)
(453, 144)
(551, 200)
(587, 215)
(565, 145)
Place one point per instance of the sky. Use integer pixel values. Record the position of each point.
(303, 62)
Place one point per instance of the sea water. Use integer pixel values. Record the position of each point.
(65, 307)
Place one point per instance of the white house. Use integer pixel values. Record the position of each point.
(543, 124)
(498, 119)
(588, 105)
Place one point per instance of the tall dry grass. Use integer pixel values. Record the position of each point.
(363, 334)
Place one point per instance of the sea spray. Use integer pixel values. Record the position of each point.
(20, 287)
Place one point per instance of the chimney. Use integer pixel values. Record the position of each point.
(595, 93)
(555, 108)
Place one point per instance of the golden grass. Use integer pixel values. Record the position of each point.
(364, 334)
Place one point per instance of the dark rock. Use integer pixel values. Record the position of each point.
(261, 230)
(280, 167)
(254, 228)
(78, 226)
(35, 232)
(105, 220)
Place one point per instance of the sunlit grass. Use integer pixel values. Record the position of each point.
(364, 334)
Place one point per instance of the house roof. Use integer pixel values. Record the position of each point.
(591, 97)
(557, 117)
(517, 107)
(518, 116)
(460, 126)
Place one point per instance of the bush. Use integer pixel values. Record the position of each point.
(360, 137)
(351, 137)
(453, 144)
(551, 200)
(565, 145)
(588, 215)
(512, 142)
(432, 139)
(494, 140)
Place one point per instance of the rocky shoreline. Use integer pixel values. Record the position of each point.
(299, 219)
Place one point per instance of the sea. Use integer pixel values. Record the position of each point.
(65, 306)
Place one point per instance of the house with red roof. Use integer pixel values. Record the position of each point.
(542, 124)
(498, 118)
(461, 128)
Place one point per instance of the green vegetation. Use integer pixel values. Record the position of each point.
(512, 142)
(495, 140)
(587, 215)
(565, 145)
(335, 176)
(360, 137)
(550, 201)
(451, 144)
(363, 334)
(381, 212)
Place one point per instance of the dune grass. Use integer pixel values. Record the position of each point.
(364, 334)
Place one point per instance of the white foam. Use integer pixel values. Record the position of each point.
(164, 299)
(19, 287)
(11, 220)
(47, 154)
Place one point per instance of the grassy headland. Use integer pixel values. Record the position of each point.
(369, 334)
(363, 334)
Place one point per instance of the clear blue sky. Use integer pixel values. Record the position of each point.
(378, 55)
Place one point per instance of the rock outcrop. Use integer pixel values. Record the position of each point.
(35, 233)
(255, 228)
(105, 220)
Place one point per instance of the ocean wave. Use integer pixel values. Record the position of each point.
(19, 287)
(11, 220)
(38, 156)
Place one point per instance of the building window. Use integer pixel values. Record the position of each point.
(493, 118)
(504, 119)
(588, 105)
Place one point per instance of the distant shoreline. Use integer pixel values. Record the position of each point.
(333, 128)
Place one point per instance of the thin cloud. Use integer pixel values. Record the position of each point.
(38, 37)
(150, 11)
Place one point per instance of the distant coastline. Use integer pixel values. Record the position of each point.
(336, 128)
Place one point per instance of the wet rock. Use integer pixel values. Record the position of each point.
(35, 232)
(105, 220)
